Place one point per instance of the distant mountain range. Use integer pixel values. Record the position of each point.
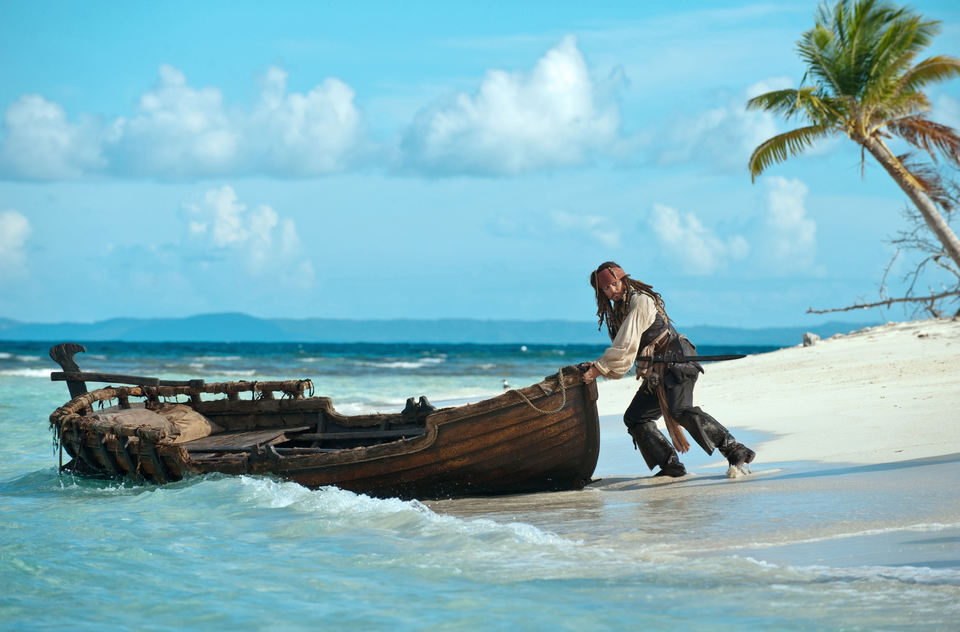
(243, 328)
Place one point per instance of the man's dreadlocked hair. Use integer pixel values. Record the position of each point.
(605, 305)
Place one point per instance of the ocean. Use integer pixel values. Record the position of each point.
(793, 547)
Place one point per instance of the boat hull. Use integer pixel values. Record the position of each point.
(541, 438)
(512, 450)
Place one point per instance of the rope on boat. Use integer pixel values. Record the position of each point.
(563, 391)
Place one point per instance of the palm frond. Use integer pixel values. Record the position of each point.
(782, 146)
(861, 48)
(904, 35)
(898, 106)
(820, 110)
(865, 29)
(892, 46)
(816, 48)
(930, 70)
(931, 137)
(826, 110)
(884, 81)
(779, 101)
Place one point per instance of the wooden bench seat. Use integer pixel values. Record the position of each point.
(241, 441)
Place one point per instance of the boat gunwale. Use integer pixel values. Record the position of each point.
(81, 407)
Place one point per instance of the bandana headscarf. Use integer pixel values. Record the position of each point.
(609, 275)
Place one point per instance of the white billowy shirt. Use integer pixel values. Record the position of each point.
(617, 360)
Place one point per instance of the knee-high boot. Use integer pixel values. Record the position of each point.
(719, 436)
(656, 450)
(737, 454)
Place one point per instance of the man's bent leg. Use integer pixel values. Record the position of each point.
(706, 430)
(656, 450)
(640, 419)
(737, 454)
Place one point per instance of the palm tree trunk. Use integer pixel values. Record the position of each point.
(931, 214)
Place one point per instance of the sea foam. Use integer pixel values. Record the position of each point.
(44, 373)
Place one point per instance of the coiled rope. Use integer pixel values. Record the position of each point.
(563, 391)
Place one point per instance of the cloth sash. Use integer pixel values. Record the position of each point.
(653, 372)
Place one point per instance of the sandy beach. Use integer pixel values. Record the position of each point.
(858, 458)
(884, 394)
(879, 395)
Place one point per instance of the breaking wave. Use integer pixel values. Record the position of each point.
(44, 373)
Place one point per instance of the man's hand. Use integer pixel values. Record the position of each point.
(591, 374)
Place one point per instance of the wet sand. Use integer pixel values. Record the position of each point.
(896, 514)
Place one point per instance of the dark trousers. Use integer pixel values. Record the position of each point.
(643, 412)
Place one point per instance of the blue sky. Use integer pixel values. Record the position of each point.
(425, 160)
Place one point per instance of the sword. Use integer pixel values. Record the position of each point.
(671, 358)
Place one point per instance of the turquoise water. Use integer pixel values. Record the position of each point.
(797, 547)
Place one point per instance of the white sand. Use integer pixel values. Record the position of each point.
(879, 395)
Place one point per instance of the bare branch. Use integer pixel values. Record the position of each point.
(937, 260)
(890, 301)
(917, 240)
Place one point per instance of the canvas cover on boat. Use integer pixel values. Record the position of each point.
(188, 422)
(177, 422)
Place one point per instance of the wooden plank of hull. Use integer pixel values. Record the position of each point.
(116, 446)
(518, 463)
(546, 461)
(114, 456)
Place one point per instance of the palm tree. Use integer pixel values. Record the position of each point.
(860, 58)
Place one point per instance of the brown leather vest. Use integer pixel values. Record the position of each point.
(660, 323)
(653, 331)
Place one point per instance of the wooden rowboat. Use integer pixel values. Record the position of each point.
(540, 438)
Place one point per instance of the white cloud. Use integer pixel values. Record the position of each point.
(181, 131)
(792, 234)
(14, 231)
(516, 122)
(693, 246)
(262, 223)
(260, 239)
(725, 135)
(40, 143)
(594, 226)
(225, 215)
(178, 131)
(304, 134)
